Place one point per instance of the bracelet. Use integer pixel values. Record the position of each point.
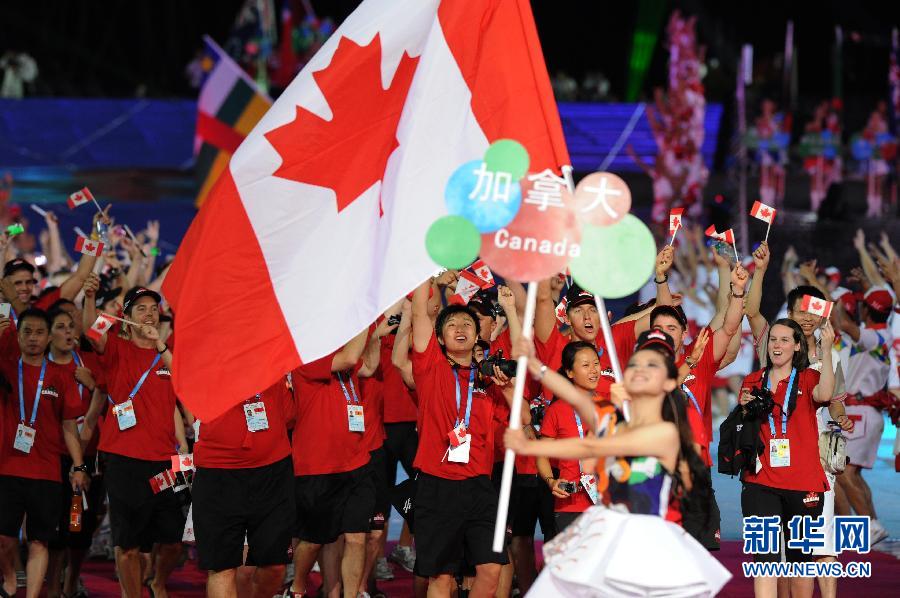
(663, 281)
(690, 362)
(82, 468)
(549, 480)
(731, 287)
(165, 348)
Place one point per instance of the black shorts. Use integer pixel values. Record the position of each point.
(382, 490)
(763, 501)
(231, 504)
(496, 482)
(703, 522)
(564, 519)
(333, 504)
(138, 517)
(91, 518)
(454, 523)
(35, 501)
(534, 503)
(401, 441)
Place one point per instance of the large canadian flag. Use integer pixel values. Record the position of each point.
(319, 222)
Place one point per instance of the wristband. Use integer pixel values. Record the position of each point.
(165, 348)
(82, 468)
(733, 294)
(663, 281)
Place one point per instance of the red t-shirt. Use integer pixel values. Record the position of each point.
(699, 385)
(59, 401)
(559, 422)
(436, 385)
(550, 353)
(372, 394)
(90, 361)
(153, 438)
(399, 405)
(322, 441)
(805, 471)
(226, 443)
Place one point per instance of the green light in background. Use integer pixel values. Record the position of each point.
(649, 20)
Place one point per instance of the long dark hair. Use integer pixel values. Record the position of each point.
(674, 410)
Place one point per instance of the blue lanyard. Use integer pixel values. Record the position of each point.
(784, 407)
(459, 396)
(693, 399)
(37, 394)
(15, 318)
(140, 382)
(580, 435)
(78, 363)
(355, 398)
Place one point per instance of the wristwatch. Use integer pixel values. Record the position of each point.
(733, 294)
(82, 468)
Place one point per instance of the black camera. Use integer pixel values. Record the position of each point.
(394, 320)
(761, 405)
(507, 366)
(570, 487)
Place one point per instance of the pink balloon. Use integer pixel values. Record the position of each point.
(602, 199)
(541, 239)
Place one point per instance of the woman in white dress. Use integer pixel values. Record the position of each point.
(609, 549)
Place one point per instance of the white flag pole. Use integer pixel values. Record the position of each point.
(672, 242)
(768, 228)
(515, 420)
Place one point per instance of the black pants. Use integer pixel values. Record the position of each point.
(400, 445)
(762, 501)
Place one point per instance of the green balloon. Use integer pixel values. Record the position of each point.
(615, 261)
(507, 155)
(453, 242)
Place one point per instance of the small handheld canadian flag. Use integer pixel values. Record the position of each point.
(483, 273)
(88, 247)
(466, 287)
(100, 326)
(183, 462)
(764, 213)
(727, 236)
(162, 481)
(816, 306)
(79, 198)
(561, 310)
(675, 216)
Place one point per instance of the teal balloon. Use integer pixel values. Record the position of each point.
(615, 261)
(507, 155)
(453, 242)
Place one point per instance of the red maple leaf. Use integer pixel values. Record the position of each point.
(816, 305)
(186, 461)
(348, 153)
(675, 221)
(88, 247)
(765, 213)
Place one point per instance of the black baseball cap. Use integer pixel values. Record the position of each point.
(15, 265)
(576, 296)
(104, 296)
(135, 294)
(655, 338)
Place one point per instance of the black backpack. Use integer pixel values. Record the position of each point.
(739, 443)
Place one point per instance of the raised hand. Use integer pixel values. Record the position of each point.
(664, 260)
(505, 298)
(91, 286)
(761, 256)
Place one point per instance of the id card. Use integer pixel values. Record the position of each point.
(589, 483)
(459, 454)
(24, 438)
(256, 416)
(355, 418)
(779, 452)
(125, 415)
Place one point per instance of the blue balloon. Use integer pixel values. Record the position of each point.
(830, 152)
(861, 149)
(490, 200)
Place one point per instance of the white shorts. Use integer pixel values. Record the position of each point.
(862, 442)
(828, 516)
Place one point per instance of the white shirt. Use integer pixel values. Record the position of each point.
(867, 361)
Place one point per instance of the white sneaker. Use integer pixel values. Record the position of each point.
(877, 533)
(383, 570)
(403, 556)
